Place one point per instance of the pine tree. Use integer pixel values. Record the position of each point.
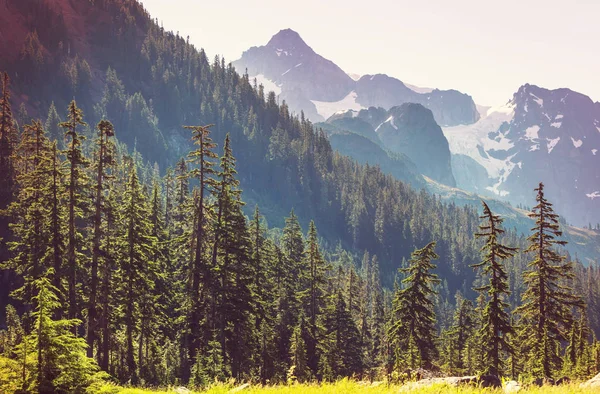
(342, 348)
(413, 331)
(234, 272)
(312, 294)
(104, 160)
(7, 132)
(29, 210)
(138, 270)
(264, 287)
(290, 258)
(547, 302)
(496, 325)
(299, 369)
(462, 330)
(52, 127)
(199, 272)
(76, 186)
(60, 361)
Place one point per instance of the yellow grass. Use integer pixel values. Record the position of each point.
(351, 387)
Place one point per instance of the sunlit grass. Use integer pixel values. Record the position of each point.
(352, 387)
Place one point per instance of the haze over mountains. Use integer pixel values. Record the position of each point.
(539, 135)
(309, 82)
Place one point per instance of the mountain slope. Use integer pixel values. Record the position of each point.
(544, 135)
(408, 130)
(310, 83)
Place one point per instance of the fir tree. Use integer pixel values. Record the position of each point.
(76, 186)
(547, 302)
(496, 321)
(204, 172)
(104, 160)
(138, 271)
(413, 332)
(312, 296)
(52, 127)
(60, 361)
(7, 133)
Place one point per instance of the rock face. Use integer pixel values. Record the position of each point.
(512, 387)
(409, 131)
(541, 135)
(317, 86)
(592, 383)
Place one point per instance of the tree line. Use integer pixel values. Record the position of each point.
(155, 280)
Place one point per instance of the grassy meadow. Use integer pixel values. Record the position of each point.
(349, 387)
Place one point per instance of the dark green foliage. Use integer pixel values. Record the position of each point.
(186, 288)
(76, 185)
(59, 363)
(413, 332)
(496, 321)
(546, 313)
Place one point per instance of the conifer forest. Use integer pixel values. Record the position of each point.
(165, 221)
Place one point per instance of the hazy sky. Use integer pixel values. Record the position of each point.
(484, 48)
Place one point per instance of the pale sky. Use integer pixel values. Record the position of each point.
(484, 48)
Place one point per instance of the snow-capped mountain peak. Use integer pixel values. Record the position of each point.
(540, 135)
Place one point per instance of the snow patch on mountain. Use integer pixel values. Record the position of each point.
(389, 120)
(594, 151)
(531, 133)
(556, 124)
(467, 139)
(537, 100)
(576, 143)
(269, 85)
(552, 143)
(328, 108)
(593, 195)
(508, 168)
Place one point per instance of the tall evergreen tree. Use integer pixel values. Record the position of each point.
(546, 310)
(61, 365)
(496, 324)
(76, 185)
(413, 332)
(312, 296)
(103, 161)
(7, 173)
(200, 272)
(138, 270)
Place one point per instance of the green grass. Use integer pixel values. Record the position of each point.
(351, 387)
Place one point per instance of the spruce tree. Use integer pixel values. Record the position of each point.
(7, 133)
(413, 330)
(462, 330)
(199, 272)
(76, 185)
(103, 161)
(546, 310)
(312, 296)
(138, 270)
(61, 364)
(52, 127)
(29, 211)
(233, 271)
(496, 321)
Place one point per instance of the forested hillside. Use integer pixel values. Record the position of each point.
(123, 228)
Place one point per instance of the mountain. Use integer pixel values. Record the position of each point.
(552, 136)
(366, 149)
(409, 130)
(310, 83)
